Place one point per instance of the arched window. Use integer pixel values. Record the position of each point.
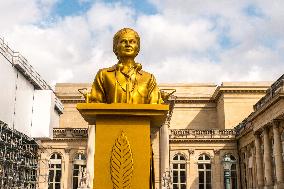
(204, 172)
(179, 172)
(79, 169)
(54, 176)
(230, 171)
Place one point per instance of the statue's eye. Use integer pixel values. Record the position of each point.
(123, 41)
(132, 41)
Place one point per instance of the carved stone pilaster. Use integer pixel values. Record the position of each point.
(67, 150)
(216, 151)
(191, 151)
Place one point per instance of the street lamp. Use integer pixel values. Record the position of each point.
(227, 163)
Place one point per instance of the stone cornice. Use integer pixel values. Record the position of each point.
(194, 100)
(273, 94)
(245, 128)
(238, 90)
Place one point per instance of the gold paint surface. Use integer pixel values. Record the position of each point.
(123, 98)
(125, 82)
(121, 163)
(138, 135)
(155, 112)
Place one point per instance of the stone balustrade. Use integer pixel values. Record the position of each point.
(70, 133)
(274, 89)
(202, 134)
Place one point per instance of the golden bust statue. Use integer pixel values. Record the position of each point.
(125, 82)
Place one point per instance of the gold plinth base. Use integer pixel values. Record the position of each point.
(122, 142)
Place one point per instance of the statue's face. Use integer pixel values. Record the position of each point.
(127, 46)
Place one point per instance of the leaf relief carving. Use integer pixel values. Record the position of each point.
(121, 163)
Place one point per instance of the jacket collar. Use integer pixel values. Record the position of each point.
(114, 68)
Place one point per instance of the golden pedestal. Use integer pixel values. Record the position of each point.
(122, 142)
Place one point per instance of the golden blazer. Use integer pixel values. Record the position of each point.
(114, 85)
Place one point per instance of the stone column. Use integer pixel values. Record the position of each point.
(91, 155)
(65, 169)
(65, 176)
(253, 167)
(217, 170)
(267, 158)
(164, 152)
(277, 153)
(259, 161)
(43, 172)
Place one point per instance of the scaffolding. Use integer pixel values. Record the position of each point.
(18, 159)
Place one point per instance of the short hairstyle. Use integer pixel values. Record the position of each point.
(120, 33)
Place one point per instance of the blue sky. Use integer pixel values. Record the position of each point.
(75, 7)
(182, 41)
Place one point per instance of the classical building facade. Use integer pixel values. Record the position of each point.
(261, 141)
(227, 136)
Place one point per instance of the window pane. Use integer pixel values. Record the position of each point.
(75, 182)
(208, 166)
(76, 172)
(58, 166)
(182, 173)
(50, 186)
(181, 157)
(83, 157)
(58, 176)
(175, 179)
(183, 186)
(176, 157)
(201, 177)
(51, 175)
(200, 166)
(182, 166)
(208, 186)
(233, 174)
(175, 166)
(208, 176)
(201, 186)
(233, 167)
(76, 166)
(175, 186)
(183, 179)
(207, 157)
(175, 173)
(57, 186)
(234, 183)
(232, 157)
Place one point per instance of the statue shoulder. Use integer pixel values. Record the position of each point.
(146, 74)
(109, 69)
(104, 71)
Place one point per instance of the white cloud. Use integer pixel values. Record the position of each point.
(180, 43)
